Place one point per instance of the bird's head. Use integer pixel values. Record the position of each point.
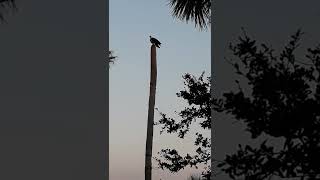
(150, 37)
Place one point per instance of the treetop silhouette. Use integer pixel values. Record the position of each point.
(284, 103)
(197, 94)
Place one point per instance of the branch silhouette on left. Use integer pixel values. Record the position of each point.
(111, 57)
(6, 5)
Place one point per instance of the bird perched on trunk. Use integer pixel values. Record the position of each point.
(155, 41)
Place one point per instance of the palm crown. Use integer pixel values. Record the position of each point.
(198, 11)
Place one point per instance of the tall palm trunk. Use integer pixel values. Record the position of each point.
(152, 97)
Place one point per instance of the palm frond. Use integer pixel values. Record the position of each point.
(198, 11)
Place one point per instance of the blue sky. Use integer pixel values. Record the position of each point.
(184, 49)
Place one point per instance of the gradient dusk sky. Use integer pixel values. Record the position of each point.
(184, 49)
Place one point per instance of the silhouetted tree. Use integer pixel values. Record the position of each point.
(6, 5)
(197, 94)
(283, 103)
(198, 11)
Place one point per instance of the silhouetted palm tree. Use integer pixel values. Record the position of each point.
(6, 5)
(198, 11)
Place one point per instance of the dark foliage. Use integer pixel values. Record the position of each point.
(197, 94)
(111, 58)
(5, 7)
(198, 11)
(284, 103)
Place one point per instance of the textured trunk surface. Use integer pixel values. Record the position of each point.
(152, 97)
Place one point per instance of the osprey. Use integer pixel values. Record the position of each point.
(155, 41)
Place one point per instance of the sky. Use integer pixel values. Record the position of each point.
(271, 22)
(184, 49)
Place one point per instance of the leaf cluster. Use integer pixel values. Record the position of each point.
(284, 103)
